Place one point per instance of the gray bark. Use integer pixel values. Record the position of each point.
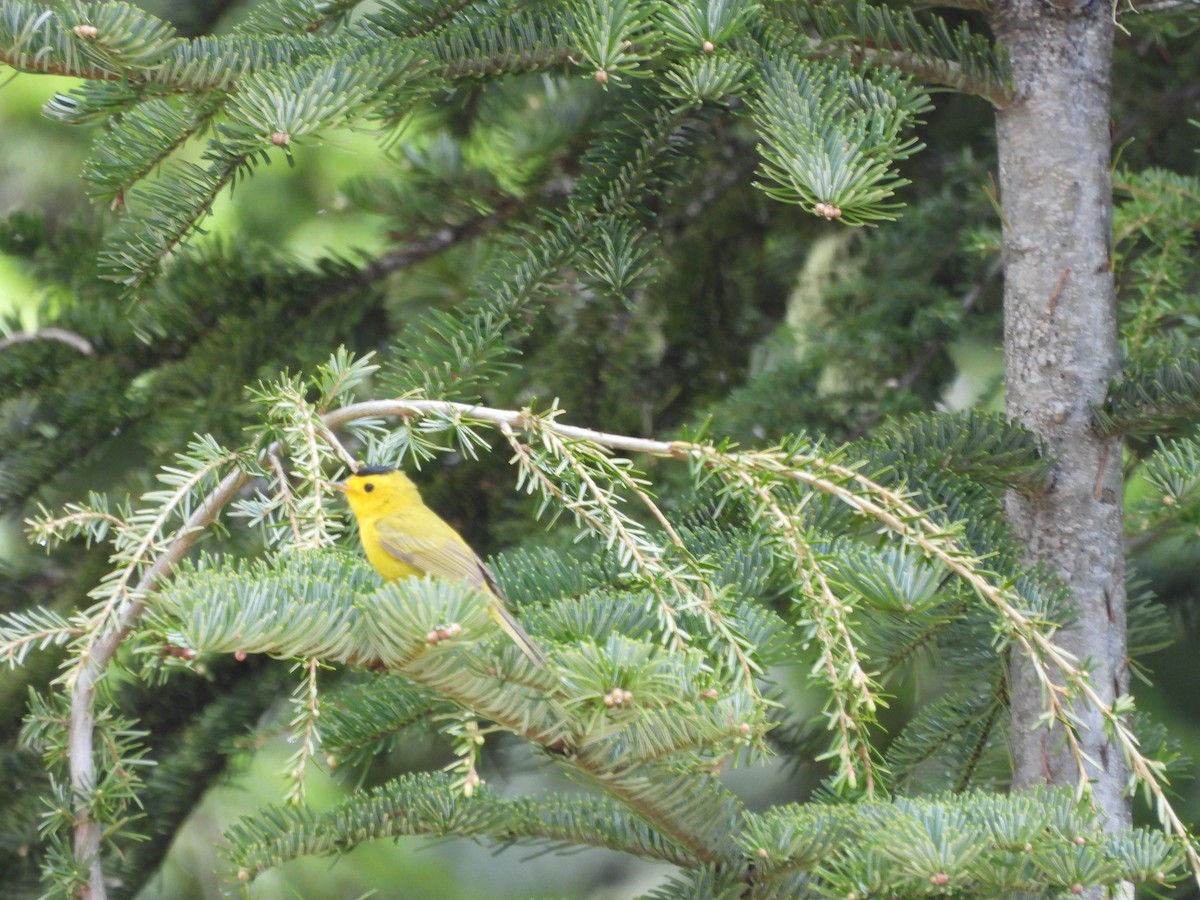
(1061, 351)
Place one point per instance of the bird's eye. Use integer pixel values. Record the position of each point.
(368, 487)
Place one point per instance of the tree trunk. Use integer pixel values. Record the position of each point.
(1060, 342)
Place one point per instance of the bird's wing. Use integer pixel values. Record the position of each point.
(443, 554)
(436, 555)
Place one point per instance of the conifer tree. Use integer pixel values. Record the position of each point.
(597, 208)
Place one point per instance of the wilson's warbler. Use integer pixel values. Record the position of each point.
(403, 537)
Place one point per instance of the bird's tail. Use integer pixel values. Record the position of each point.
(514, 630)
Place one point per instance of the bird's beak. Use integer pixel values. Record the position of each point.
(336, 485)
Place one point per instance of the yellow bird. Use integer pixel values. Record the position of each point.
(403, 537)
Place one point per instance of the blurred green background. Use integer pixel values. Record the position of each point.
(303, 212)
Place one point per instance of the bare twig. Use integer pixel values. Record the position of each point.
(70, 338)
(81, 735)
(1166, 6)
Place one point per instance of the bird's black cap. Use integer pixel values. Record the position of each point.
(375, 470)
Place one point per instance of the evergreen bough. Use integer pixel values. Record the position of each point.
(664, 624)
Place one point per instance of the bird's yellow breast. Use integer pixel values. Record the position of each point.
(387, 565)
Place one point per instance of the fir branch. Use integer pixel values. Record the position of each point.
(665, 805)
(713, 882)
(519, 41)
(583, 820)
(967, 715)
(934, 347)
(143, 139)
(650, 797)
(417, 250)
(1154, 235)
(307, 702)
(295, 16)
(411, 18)
(421, 804)
(251, 607)
(247, 609)
(595, 507)
(171, 206)
(712, 79)
(1029, 842)
(674, 806)
(920, 635)
(983, 735)
(795, 837)
(98, 41)
(278, 107)
(852, 689)
(1155, 397)
(830, 137)
(899, 516)
(1172, 472)
(928, 69)
(609, 36)
(366, 719)
(220, 62)
(924, 47)
(23, 631)
(638, 704)
(636, 158)
(689, 25)
(452, 357)
(983, 447)
(412, 804)
(124, 38)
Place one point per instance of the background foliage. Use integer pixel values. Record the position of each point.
(697, 297)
